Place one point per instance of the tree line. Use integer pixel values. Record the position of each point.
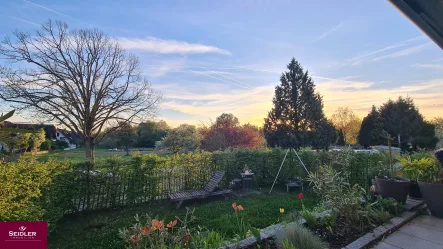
(84, 81)
(297, 120)
(226, 132)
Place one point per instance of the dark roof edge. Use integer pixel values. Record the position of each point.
(406, 10)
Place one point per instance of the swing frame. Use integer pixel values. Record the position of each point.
(284, 159)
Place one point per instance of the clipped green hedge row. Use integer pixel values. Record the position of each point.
(359, 167)
(33, 190)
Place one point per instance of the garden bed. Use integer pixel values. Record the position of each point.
(100, 229)
(335, 239)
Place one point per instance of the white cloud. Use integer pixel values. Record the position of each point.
(357, 60)
(163, 67)
(433, 66)
(330, 31)
(404, 52)
(252, 105)
(152, 44)
(330, 83)
(22, 20)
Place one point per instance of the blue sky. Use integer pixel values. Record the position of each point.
(210, 57)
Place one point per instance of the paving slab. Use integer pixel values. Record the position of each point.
(383, 245)
(423, 233)
(429, 222)
(405, 241)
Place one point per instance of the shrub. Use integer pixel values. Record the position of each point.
(299, 237)
(414, 169)
(341, 197)
(22, 188)
(46, 145)
(59, 145)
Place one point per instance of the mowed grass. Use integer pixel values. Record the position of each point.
(78, 155)
(261, 210)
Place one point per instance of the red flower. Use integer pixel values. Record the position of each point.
(172, 223)
(146, 230)
(399, 174)
(300, 196)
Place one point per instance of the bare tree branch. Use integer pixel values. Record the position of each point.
(82, 79)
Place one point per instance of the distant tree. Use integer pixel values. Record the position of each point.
(227, 132)
(438, 122)
(182, 138)
(402, 120)
(46, 145)
(79, 78)
(23, 140)
(345, 120)
(371, 130)
(341, 138)
(149, 132)
(37, 139)
(425, 138)
(325, 135)
(124, 137)
(297, 111)
(249, 136)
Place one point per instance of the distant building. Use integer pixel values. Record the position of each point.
(395, 150)
(51, 132)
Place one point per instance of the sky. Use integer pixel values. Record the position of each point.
(214, 57)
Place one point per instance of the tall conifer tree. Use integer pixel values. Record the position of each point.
(297, 111)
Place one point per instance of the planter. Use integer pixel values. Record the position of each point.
(414, 191)
(396, 188)
(432, 194)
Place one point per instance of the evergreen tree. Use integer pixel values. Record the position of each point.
(297, 111)
(402, 120)
(325, 135)
(371, 129)
(426, 138)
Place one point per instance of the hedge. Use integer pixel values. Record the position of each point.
(33, 190)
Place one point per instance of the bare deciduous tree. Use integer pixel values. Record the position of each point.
(346, 121)
(81, 79)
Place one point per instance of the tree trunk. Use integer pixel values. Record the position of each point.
(90, 149)
(390, 157)
(127, 151)
(399, 141)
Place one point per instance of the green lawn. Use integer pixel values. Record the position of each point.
(78, 155)
(261, 210)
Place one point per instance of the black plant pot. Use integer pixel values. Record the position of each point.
(396, 188)
(433, 196)
(414, 191)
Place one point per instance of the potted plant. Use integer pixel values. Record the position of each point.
(389, 185)
(412, 170)
(431, 185)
